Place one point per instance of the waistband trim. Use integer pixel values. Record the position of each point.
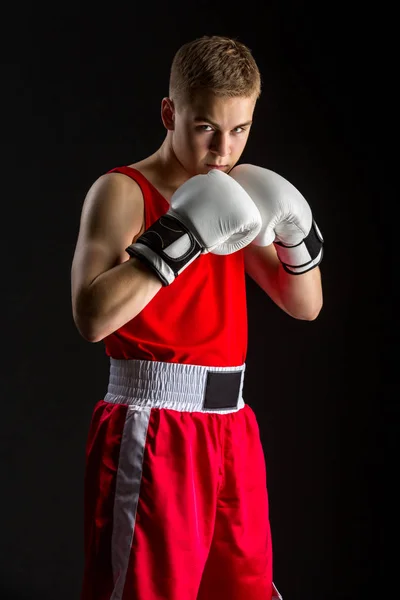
(176, 386)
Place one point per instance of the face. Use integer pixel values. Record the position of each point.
(209, 132)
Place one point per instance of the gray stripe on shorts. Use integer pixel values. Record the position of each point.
(129, 476)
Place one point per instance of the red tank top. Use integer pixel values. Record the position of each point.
(200, 319)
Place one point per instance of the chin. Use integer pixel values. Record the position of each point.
(200, 170)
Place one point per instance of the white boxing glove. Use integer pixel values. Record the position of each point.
(208, 213)
(287, 219)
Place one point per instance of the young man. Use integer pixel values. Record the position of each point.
(176, 504)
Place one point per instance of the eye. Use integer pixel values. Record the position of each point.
(241, 130)
(204, 128)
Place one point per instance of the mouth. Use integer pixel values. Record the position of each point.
(219, 167)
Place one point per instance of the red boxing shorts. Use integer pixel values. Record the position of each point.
(176, 504)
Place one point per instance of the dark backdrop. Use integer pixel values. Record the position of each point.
(81, 94)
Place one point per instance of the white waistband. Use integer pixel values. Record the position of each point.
(182, 387)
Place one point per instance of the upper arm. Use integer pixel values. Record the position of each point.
(262, 264)
(299, 296)
(111, 218)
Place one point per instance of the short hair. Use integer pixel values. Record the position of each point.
(215, 63)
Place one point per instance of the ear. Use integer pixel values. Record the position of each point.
(168, 113)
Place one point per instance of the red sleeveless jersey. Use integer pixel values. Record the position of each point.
(200, 319)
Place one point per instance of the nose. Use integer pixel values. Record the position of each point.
(221, 144)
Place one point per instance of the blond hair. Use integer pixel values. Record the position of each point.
(214, 63)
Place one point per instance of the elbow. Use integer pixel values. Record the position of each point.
(312, 316)
(87, 318)
(87, 328)
(311, 313)
(312, 307)
(305, 311)
(86, 332)
(92, 337)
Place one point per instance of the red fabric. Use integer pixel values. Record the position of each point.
(200, 319)
(202, 529)
(102, 455)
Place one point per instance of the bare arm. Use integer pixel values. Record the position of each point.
(108, 288)
(298, 295)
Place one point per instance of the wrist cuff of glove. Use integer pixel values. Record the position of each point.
(305, 256)
(167, 247)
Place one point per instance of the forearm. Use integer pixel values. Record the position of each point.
(114, 298)
(300, 295)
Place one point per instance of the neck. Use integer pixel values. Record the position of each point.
(169, 167)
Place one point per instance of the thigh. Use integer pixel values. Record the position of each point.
(151, 492)
(239, 566)
(176, 507)
(102, 457)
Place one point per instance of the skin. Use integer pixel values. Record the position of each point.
(108, 287)
(209, 131)
(213, 130)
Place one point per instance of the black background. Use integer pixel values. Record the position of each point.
(82, 88)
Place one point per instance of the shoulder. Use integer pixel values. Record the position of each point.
(113, 201)
(117, 181)
(114, 189)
